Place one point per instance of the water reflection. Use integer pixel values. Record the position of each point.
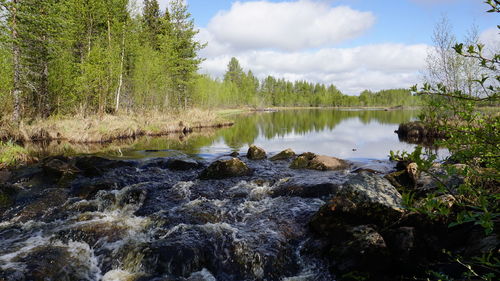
(350, 134)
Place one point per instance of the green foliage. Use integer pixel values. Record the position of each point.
(12, 154)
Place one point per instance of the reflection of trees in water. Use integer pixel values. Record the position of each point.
(245, 131)
(281, 123)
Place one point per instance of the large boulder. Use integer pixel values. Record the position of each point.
(364, 199)
(256, 153)
(220, 169)
(284, 155)
(366, 250)
(312, 161)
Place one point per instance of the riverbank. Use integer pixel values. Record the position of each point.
(106, 128)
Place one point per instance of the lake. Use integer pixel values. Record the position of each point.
(350, 134)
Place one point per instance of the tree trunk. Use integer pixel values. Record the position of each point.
(120, 81)
(17, 67)
(44, 91)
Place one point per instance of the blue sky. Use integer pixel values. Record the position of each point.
(354, 44)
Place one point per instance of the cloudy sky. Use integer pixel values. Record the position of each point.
(353, 44)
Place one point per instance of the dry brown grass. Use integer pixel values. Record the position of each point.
(106, 128)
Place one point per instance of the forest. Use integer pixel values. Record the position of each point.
(95, 57)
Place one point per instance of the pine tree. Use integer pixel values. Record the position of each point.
(181, 49)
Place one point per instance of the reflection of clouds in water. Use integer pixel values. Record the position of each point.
(371, 140)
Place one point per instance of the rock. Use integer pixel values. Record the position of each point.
(225, 168)
(93, 166)
(4, 176)
(304, 190)
(364, 199)
(234, 154)
(53, 263)
(323, 163)
(43, 206)
(283, 155)
(401, 241)
(7, 196)
(301, 162)
(182, 164)
(312, 161)
(58, 167)
(256, 153)
(87, 189)
(365, 250)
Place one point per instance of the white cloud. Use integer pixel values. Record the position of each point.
(491, 39)
(352, 70)
(287, 25)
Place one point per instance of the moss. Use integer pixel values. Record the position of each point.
(300, 162)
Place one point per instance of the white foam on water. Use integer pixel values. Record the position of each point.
(182, 189)
(118, 275)
(203, 275)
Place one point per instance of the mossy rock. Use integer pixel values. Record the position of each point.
(284, 155)
(256, 153)
(220, 169)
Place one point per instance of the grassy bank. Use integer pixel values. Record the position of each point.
(12, 155)
(106, 128)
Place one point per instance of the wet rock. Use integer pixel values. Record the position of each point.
(225, 168)
(365, 250)
(182, 164)
(93, 166)
(57, 167)
(234, 154)
(7, 196)
(284, 155)
(303, 189)
(4, 176)
(256, 153)
(51, 263)
(45, 205)
(364, 199)
(312, 161)
(93, 232)
(87, 189)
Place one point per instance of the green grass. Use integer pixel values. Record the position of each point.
(12, 155)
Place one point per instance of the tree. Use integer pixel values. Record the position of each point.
(180, 49)
(234, 72)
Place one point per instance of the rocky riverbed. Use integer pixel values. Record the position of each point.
(241, 217)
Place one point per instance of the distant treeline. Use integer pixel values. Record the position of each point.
(93, 56)
(240, 88)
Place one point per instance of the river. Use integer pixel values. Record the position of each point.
(129, 216)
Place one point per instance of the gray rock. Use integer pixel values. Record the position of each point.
(364, 199)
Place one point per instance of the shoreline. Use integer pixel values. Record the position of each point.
(108, 128)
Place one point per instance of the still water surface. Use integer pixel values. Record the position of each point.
(348, 134)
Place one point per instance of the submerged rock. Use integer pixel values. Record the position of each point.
(220, 169)
(54, 263)
(312, 161)
(182, 164)
(284, 155)
(256, 153)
